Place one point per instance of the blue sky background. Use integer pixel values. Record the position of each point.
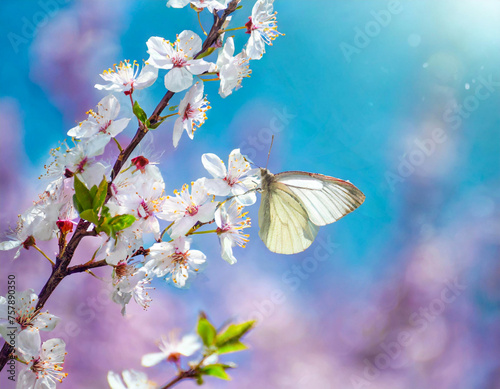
(357, 117)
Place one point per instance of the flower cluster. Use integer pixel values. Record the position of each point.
(205, 347)
(125, 204)
(20, 323)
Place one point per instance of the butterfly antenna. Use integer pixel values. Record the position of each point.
(269, 154)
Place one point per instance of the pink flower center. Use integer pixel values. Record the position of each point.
(250, 26)
(105, 127)
(192, 210)
(224, 228)
(189, 112)
(144, 210)
(178, 62)
(180, 257)
(140, 163)
(230, 180)
(81, 165)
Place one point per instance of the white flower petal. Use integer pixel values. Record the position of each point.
(178, 79)
(214, 165)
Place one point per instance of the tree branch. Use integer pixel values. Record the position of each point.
(63, 260)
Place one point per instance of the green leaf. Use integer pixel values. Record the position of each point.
(100, 195)
(77, 205)
(199, 380)
(215, 370)
(232, 347)
(209, 51)
(104, 227)
(172, 108)
(233, 333)
(239, 7)
(93, 191)
(139, 112)
(90, 215)
(120, 222)
(82, 194)
(206, 331)
(155, 125)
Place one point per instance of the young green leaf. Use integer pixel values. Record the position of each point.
(155, 125)
(232, 347)
(77, 205)
(215, 370)
(100, 195)
(93, 191)
(90, 215)
(209, 51)
(82, 194)
(139, 112)
(120, 222)
(206, 331)
(233, 333)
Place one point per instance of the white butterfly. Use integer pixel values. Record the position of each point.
(294, 204)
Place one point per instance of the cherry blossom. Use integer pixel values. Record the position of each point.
(125, 77)
(22, 235)
(178, 58)
(25, 315)
(101, 124)
(231, 69)
(211, 5)
(239, 179)
(174, 260)
(186, 209)
(44, 361)
(191, 112)
(132, 379)
(230, 224)
(262, 27)
(129, 282)
(172, 348)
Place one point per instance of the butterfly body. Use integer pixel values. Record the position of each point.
(294, 204)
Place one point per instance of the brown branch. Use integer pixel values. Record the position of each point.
(86, 266)
(64, 258)
(188, 374)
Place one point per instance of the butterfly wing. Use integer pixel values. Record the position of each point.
(326, 199)
(284, 224)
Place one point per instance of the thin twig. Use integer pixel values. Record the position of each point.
(45, 255)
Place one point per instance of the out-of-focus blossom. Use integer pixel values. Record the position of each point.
(132, 379)
(211, 5)
(172, 348)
